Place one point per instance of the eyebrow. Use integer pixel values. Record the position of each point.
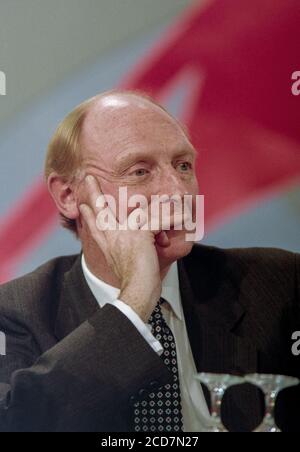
(131, 158)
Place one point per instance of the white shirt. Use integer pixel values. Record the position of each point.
(195, 413)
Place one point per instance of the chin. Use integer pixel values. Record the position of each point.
(177, 249)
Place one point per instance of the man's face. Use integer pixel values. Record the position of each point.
(129, 142)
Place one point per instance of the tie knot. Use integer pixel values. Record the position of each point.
(156, 314)
(160, 301)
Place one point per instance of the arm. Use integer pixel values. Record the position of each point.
(87, 382)
(90, 379)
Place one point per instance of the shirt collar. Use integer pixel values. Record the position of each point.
(105, 293)
(170, 290)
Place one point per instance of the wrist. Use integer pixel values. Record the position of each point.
(141, 302)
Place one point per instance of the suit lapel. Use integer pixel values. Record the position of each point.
(214, 319)
(76, 303)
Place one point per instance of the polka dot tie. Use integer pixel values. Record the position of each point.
(160, 411)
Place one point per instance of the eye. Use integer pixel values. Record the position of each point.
(185, 166)
(140, 172)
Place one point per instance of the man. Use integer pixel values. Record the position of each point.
(111, 340)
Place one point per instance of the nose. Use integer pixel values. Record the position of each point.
(171, 183)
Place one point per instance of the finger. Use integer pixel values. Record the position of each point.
(162, 239)
(93, 192)
(136, 219)
(164, 214)
(168, 222)
(90, 219)
(100, 205)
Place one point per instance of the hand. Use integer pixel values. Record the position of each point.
(130, 253)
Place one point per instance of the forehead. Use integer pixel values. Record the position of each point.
(116, 126)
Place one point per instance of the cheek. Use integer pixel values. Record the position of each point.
(108, 188)
(133, 193)
(121, 203)
(113, 192)
(195, 191)
(194, 186)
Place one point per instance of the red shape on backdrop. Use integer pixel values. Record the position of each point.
(237, 58)
(241, 114)
(28, 223)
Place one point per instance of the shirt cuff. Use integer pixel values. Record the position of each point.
(143, 328)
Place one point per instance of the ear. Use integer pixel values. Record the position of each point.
(63, 194)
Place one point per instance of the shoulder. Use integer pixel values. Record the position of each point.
(256, 265)
(263, 280)
(251, 258)
(34, 291)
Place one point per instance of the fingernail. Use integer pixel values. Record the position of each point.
(89, 178)
(82, 208)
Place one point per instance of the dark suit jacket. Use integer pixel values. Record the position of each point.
(71, 366)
